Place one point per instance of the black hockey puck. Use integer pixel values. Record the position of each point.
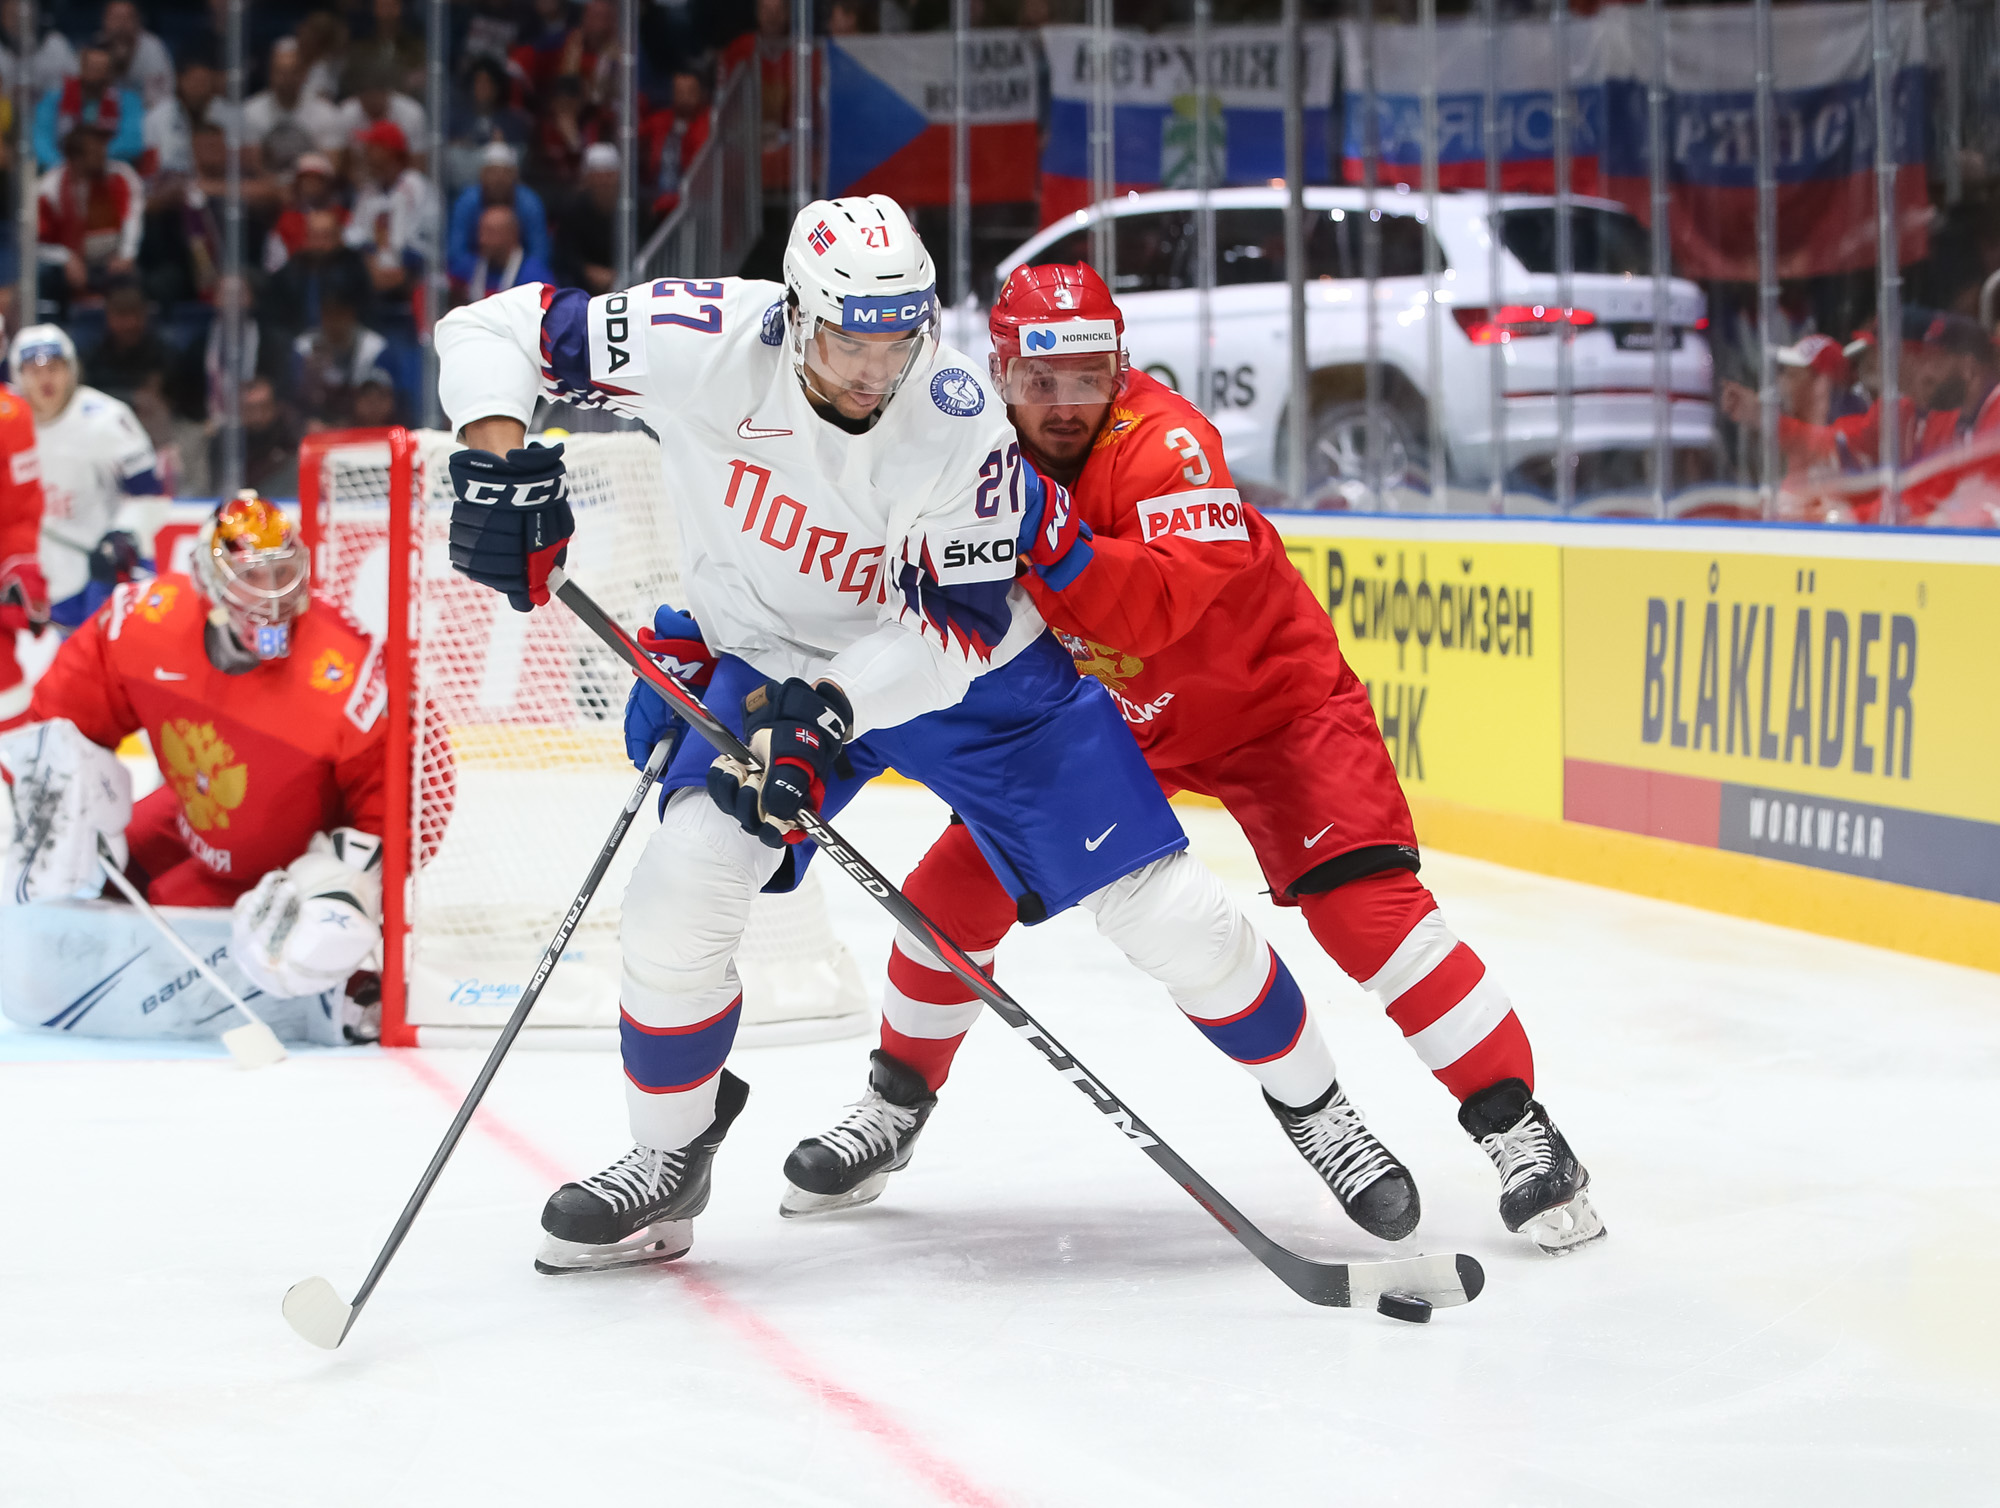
(1404, 1306)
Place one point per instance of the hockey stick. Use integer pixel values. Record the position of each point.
(1439, 1280)
(252, 1045)
(311, 1306)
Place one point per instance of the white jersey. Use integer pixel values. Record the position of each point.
(94, 455)
(883, 561)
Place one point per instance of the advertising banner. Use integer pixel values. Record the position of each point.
(1460, 646)
(1153, 79)
(1824, 147)
(1834, 713)
(890, 108)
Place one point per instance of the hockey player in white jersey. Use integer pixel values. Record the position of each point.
(95, 454)
(853, 508)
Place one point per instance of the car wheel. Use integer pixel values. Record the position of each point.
(1338, 450)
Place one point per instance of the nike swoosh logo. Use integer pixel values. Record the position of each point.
(1318, 835)
(167, 675)
(1093, 844)
(748, 431)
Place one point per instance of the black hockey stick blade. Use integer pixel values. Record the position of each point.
(312, 1306)
(1441, 1280)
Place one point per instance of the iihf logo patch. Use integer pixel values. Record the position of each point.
(820, 239)
(957, 392)
(773, 333)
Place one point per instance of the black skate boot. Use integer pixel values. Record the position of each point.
(1376, 1190)
(1541, 1182)
(851, 1164)
(641, 1208)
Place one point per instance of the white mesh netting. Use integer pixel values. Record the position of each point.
(521, 765)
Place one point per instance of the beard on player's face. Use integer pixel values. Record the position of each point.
(1060, 434)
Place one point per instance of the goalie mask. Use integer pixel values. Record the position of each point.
(1058, 338)
(862, 300)
(251, 564)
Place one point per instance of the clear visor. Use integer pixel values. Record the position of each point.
(1050, 381)
(866, 366)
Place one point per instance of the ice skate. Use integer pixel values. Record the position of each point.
(1541, 1183)
(1377, 1191)
(640, 1209)
(850, 1165)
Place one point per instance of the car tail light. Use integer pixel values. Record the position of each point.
(1489, 327)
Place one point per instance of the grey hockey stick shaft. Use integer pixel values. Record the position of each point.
(1442, 1280)
(312, 1306)
(254, 1044)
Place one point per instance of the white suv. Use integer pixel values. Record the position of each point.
(1611, 413)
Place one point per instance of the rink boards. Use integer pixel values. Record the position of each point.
(1798, 725)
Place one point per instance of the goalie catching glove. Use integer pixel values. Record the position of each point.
(305, 928)
(675, 643)
(795, 733)
(67, 790)
(510, 520)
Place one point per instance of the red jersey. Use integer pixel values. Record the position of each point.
(1189, 611)
(259, 761)
(20, 527)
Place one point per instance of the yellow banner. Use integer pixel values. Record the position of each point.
(1860, 680)
(1460, 645)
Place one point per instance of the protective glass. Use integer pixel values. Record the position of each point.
(1048, 381)
(864, 365)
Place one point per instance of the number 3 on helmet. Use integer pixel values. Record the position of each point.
(1058, 338)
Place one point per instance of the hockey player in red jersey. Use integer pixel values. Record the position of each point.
(1179, 598)
(267, 724)
(24, 595)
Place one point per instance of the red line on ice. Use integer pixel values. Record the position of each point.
(777, 1350)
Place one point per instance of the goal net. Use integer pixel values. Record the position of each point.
(507, 758)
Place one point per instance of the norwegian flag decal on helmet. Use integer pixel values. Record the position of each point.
(821, 238)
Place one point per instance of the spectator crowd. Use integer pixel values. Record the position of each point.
(340, 220)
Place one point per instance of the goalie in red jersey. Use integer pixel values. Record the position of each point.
(267, 723)
(1178, 596)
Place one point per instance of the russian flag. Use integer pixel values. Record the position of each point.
(890, 112)
(1153, 112)
(1824, 150)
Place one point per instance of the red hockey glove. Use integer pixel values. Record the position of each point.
(24, 595)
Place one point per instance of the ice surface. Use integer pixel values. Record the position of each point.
(1792, 1141)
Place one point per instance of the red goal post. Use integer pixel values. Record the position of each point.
(506, 753)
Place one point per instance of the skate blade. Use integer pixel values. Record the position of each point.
(798, 1201)
(1566, 1227)
(662, 1241)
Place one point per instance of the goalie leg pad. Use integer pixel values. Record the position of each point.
(67, 791)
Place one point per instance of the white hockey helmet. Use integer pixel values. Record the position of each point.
(40, 343)
(855, 271)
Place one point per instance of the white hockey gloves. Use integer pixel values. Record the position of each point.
(306, 927)
(67, 790)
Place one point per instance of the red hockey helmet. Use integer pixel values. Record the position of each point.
(1057, 337)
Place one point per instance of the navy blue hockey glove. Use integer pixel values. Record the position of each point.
(510, 520)
(795, 733)
(1054, 538)
(114, 559)
(674, 641)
